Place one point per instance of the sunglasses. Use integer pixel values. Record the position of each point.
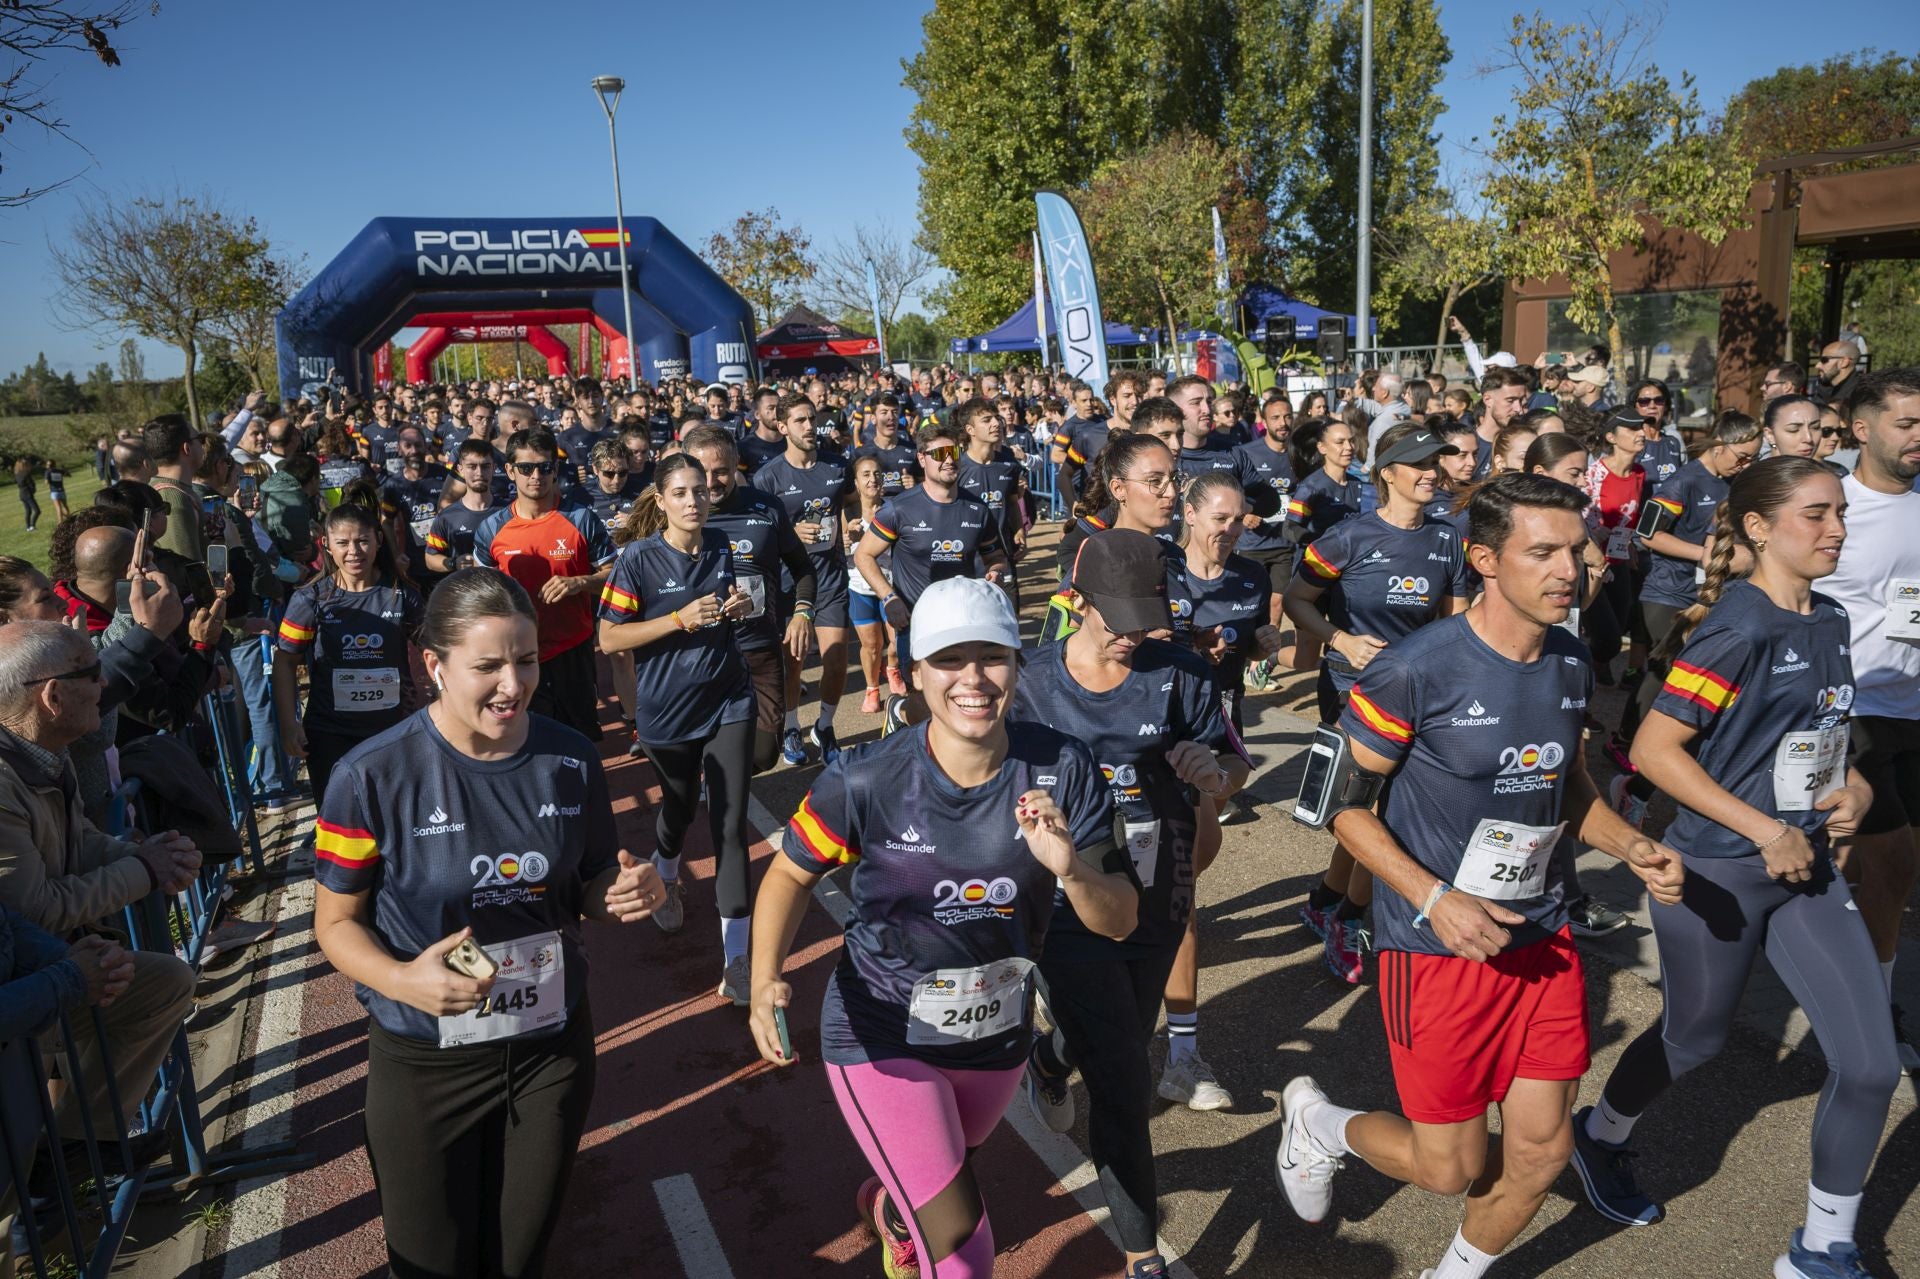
(1828, 432)
(942, 452)
(611, 475)
(1651, 399)
(86, 674)
(532, 468)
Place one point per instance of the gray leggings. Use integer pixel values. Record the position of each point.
(1819, 946)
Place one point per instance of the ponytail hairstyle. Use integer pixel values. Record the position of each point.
(1505, 436)
(356, 514)
(1110, 464)
(1303, 446)
(1734, 427)
(649, 516)
(1762, 489)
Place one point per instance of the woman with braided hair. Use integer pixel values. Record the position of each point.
(1750, 729)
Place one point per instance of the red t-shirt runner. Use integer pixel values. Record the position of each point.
(561, 543)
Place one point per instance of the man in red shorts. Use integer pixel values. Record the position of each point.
(1477, 719)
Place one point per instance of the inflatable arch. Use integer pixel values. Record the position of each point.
(533, 270)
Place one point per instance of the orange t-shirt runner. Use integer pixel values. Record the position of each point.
(561, 543)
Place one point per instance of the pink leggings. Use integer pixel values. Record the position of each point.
(917, 1123)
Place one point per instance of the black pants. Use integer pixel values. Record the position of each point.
(1610, 617)
(472, 1147)
(324, 752)
(727, 759)
(30, 506)
(569, 690)
(1820, 948)
(1106, 1010)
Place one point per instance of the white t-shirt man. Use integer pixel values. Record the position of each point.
(1878, 583)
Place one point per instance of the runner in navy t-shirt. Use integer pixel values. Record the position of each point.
(968, 838)
(1478, 721)
(473, 826)
(1267, 461)
(674, 600)
(1750, 731)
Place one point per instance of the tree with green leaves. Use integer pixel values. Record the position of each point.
(246, 325)
(1846, 101)
(1149, 222)
(765, 260)
(1600, 140)
(1434, 246)
(168, 267)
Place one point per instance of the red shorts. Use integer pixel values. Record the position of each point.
(1461, 1033)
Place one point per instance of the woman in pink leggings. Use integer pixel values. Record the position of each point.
(962, 833)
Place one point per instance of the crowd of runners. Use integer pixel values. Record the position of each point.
(457, 579)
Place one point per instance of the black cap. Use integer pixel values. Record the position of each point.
(1419, 446)
(1123, 574)
(1624, 417)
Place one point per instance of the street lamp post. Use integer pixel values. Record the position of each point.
(607, 88)
(1363, 267)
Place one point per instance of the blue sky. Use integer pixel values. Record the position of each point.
(316, 118)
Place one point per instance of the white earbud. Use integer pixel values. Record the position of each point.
(438, 682)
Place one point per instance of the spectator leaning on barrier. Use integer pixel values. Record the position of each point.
(64, 875)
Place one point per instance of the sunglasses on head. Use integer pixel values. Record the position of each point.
(532, 468)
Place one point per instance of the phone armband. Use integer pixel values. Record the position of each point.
(1333, 781)
(1655, 517)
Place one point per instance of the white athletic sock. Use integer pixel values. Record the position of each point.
(1830, 1218)
(733, 936)
(1886, 975)
(1463, 1260)
(826, 715)
(1609, 1125)
(1183, 1036)
(792, 721)
(669, 867)
(1327, 1127)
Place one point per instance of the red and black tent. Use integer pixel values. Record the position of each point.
(805, 339)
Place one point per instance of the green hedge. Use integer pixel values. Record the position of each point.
(63, 437)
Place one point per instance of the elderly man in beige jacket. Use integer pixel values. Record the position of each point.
(66, 876)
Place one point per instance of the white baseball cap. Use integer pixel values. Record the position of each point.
(962, 610)
(1502, 359)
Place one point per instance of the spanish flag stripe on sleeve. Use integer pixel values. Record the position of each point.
(1701, 687)
(885, 532)
(1673, 507)
(344, 845)
(1394, 730)
(1298, 510)
(615, 598)
(1319, 566)
(1063, 439)
(1073, 456)
(293, 633)
(435, 542)
(818, 838)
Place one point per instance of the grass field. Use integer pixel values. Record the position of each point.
(14, 538)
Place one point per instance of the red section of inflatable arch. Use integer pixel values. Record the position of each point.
(437, 337)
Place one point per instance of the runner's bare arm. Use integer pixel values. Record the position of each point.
(350, 945)
(1592, 819)
(778, 909)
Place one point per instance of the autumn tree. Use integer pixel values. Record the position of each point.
(1846, 101)
(1150, 223)
(32, 33)
(900, 266)
(1598, 140)
(764, 260)
(246, 324)
(169, 268)
(1434, 247)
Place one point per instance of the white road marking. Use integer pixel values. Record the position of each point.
(1072, 1169)
(260, 1204)
(693, 1234)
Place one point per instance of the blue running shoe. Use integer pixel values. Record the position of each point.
(829, 745)
(1842, 1261)
(1314, 919)
(792, 749)
(1608, 1181)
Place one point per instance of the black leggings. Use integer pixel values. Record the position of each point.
(727, 758)
(1611, 618)
(30, 506)
(472, 1147)
(1106, 1010)
(1821, 950)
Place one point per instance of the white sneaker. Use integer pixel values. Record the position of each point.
(1304, 1170)
(737, 983)
(1190, 1082)
(671, 913)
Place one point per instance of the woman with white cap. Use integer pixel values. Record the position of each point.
(927, 1019)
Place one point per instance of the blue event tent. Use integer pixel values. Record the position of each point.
(1018, 332)
(1259, 301)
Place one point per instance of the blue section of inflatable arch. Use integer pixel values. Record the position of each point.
(685, 317)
